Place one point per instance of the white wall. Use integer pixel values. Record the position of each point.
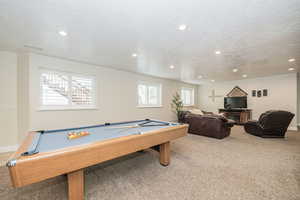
(282, 94)
(8, 101)
(116, 96)
(23, 95)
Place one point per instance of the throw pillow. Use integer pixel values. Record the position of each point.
(196, 112)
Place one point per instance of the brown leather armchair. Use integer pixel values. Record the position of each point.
(271, 124)
(209, 125)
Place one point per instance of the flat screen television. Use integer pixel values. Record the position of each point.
(235, 102)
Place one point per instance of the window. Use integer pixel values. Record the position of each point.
(149, 95)
(65, 90)
(187, 96)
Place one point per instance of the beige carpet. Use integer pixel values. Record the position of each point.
(239, 167)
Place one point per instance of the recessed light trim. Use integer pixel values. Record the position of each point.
(134, 55)
(235, 70)
(200, 76)
(63, 33)
(291, 69)
(217, 52)
(212, 80)
(182, 27)
(292, 60)
(172, 66)
(245, 76)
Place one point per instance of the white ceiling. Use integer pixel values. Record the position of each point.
(255, 36)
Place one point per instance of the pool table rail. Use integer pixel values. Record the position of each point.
(41, 166)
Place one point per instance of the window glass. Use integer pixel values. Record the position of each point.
(149, 94)
(66, 90)
(187, 96)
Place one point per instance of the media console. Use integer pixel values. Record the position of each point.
(239, 115)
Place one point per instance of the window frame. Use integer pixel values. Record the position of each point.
(192, 95)
(70, 105)
(148, 84)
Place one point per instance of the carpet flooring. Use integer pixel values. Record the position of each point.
(241, 167)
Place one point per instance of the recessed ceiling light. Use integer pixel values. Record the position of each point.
(200, 76)
(235, 70)
(134, 55)
(172, 66)
(245, 76)
(212, 80)
(292, 59)
(291, 69)
(182, 27)
(217, 52)
(63, 33)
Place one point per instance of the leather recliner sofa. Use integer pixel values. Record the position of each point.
(209, 125)
(271, 124)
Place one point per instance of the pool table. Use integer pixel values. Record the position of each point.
(49, 153)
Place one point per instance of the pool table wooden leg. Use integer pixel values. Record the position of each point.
(164, 154)
(76, 185)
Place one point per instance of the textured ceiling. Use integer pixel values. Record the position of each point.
(257, 37)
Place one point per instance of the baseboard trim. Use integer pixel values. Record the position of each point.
(292, 128)
(8, 148)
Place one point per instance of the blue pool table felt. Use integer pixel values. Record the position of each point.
(57, 139)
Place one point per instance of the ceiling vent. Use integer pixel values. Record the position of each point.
(33, 47)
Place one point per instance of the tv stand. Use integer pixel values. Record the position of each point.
(239, 115)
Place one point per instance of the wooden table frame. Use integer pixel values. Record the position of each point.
(26, 170)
